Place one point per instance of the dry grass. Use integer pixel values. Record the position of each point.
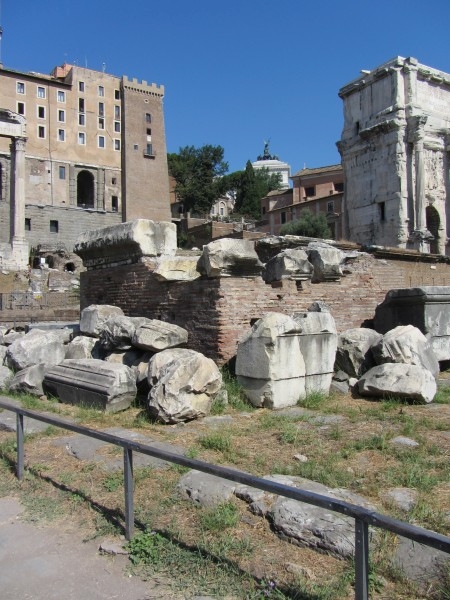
(246, 559)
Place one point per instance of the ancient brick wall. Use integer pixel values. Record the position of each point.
(217, 312)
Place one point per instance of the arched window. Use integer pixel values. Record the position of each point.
(85, 189)
(433, 222)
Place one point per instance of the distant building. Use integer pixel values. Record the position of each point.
(91, 152)
(273, 165)
(319, 190)
(395, 148)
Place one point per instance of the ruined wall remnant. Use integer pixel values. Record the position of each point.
(218, 310)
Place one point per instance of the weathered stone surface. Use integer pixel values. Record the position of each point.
(3, 350)
(118, 330)
(412, 382)
(406, 344)
(228, 256)
(312, 526)
(127, 242)
(156, 335)
(93, 317)
(326, 261)
(29, 380)
(318, 343)
(427, 308)
(289, 264)
(108, 386)
(125, 357)
(403, 498)
(177, 268)
(182, 385)
(6, 376)
(269, 363)
(11, 336)
(34, 348)
(205, 489)
(83, 346)
(422, 564)
(354, 351)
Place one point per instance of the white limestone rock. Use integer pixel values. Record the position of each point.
(93, 317)
(83, 346)
(354, 351)
(177, 268)
(182, 385)
(3, 350)
(6, 376)
(228, 257)
(29, 380)
(117, 332)
(133, 239)
(399, 380)
(155, 335)
(35, 347)
(289, 264)
(406, 344)
(326, 261)
(107, 386)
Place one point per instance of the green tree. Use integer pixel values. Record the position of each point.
(198, 173)
(251, 186)
(309, 225)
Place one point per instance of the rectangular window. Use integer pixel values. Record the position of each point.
(310, 191)
(101, 123)
(149, 150)
(148, 118)
(117, 126)
(62, 172)
(81, 86)
(330, 206)
(54, 226)
(81, 105)
(117, 112)
(20, 87)
(116, 94)
(114, 181)
(61, 116)
(41, 92)
(41, 131)
(339, 187)
(382, 206)
(101, 91)
(149, 133)
(61, 135)
(27, 224)
(21, 108)
(116, 144)
(101, 109)
(41, 112)
(81, 119)
(61, 96)
(101, 141)
(283, 218)
(114, 203)
(81, 138)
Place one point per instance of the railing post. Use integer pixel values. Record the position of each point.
(20, 445)
(128, 485)
(361, 560)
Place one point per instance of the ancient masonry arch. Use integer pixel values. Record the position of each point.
(15, 254)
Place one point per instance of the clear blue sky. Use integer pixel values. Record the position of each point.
(236, 72)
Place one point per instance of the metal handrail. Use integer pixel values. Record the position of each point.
(363, 516)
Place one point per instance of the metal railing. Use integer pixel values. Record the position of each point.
(362, 516)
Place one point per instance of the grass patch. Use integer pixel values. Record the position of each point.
(236, 397)
(220, 442)
(219, 517)
(314, 400)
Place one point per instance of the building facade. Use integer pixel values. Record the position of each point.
(273, 165)
(395, 154)
(319, 190)
(94, 154)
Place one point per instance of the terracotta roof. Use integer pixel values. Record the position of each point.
(279, 192)
(318, 170)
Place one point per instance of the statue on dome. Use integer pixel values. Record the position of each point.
(266, 154)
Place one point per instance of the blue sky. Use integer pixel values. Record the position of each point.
(236, 72)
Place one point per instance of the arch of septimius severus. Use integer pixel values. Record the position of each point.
(15, 254)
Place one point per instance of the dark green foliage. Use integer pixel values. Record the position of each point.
(198, 173)
(309, 225)
(251, 186)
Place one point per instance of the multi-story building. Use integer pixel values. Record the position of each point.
(319, 190)
(395, 147)
(91, 152)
